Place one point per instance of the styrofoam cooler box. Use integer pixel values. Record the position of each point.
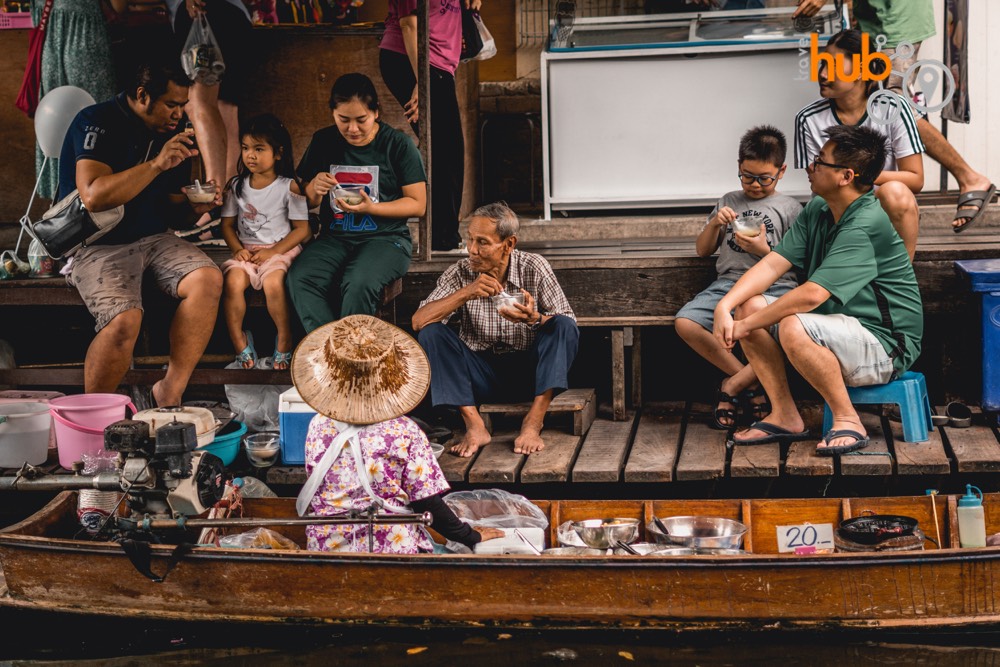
(294, 416)
(19, 396)
(511, 543)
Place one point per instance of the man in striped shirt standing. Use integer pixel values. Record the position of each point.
(845, 102)
(503, 351)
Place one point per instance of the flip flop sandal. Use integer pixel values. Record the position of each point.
(758, 411)
(774, 434)
(959, 415)
(280, 358)
(249, 354)
(860, 442)
(724, 413)
(978, 198)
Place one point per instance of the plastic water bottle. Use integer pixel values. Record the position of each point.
(251, 487)
(971, 519)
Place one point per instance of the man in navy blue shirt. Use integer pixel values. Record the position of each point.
(131, 151)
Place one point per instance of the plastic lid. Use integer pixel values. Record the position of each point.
(970, 499)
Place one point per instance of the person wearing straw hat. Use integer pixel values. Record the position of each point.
(504, 350)
(362, 376)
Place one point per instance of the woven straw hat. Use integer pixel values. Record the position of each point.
(361, 370)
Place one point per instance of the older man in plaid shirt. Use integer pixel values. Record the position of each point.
(511, 353)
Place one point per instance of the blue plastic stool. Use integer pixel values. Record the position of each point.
(909, 392)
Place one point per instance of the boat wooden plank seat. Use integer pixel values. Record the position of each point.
(581, 404)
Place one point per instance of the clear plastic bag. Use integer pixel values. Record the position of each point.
(496, 508)
(489, 44)
(256, 405)
(568, 537)
(202, 57)
(258, 538)
(251, 487)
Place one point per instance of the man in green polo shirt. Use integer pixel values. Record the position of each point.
(858, 318)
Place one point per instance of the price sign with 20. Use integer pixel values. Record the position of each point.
(805, 538)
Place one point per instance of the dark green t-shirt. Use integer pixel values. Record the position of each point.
(863, 263)
(384, 166)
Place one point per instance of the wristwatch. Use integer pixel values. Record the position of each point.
(534, 325)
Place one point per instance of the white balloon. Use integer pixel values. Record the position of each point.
(55, 113)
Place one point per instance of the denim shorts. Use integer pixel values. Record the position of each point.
(701, 308)
(863, 359)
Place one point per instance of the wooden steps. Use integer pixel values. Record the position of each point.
(580, 403)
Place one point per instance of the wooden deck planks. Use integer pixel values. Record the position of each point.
(555, 462)
(602, 455)
(802, 458)
(497, 463)
(654, 451)
(873, 459)
(919, 458)
(456, 468)
(755, 461)
(975, 449)
(703, 453)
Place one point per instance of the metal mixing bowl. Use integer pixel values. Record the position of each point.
(699, 532)
(605, 533)
(573, 551)
(650, 549)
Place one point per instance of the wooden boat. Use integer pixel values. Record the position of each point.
(932, 589)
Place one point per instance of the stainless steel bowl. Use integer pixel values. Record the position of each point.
(605, 533)
(699, 532)
(573, 551)
(721, 552)
(650, 549)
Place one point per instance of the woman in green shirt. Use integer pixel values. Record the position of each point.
(367, 179)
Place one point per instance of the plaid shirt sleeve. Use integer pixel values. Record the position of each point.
(551, 300)
(448, 283)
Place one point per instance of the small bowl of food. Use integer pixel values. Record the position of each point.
(437, 449)
(505, 300)
(200, 193)
(262, 448)
(349, 194)
(747, 226)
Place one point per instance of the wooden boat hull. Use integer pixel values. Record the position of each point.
(910, 591)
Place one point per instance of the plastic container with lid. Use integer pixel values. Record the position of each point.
(971, 518)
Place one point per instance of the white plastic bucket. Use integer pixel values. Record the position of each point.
(24, 434)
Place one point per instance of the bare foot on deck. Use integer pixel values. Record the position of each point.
(473, 439)
(529, 441)
(162, 398)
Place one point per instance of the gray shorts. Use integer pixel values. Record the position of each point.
(863, 359)
(109, 277)
(701, 308)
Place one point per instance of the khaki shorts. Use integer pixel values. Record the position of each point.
(109, 277)
(863, 360)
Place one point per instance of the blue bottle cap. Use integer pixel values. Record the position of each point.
(970, 499)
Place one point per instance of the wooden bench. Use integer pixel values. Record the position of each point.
(581, 403)
(55, 292)
(626, 332)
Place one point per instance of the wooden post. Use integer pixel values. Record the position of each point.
(424, 106)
